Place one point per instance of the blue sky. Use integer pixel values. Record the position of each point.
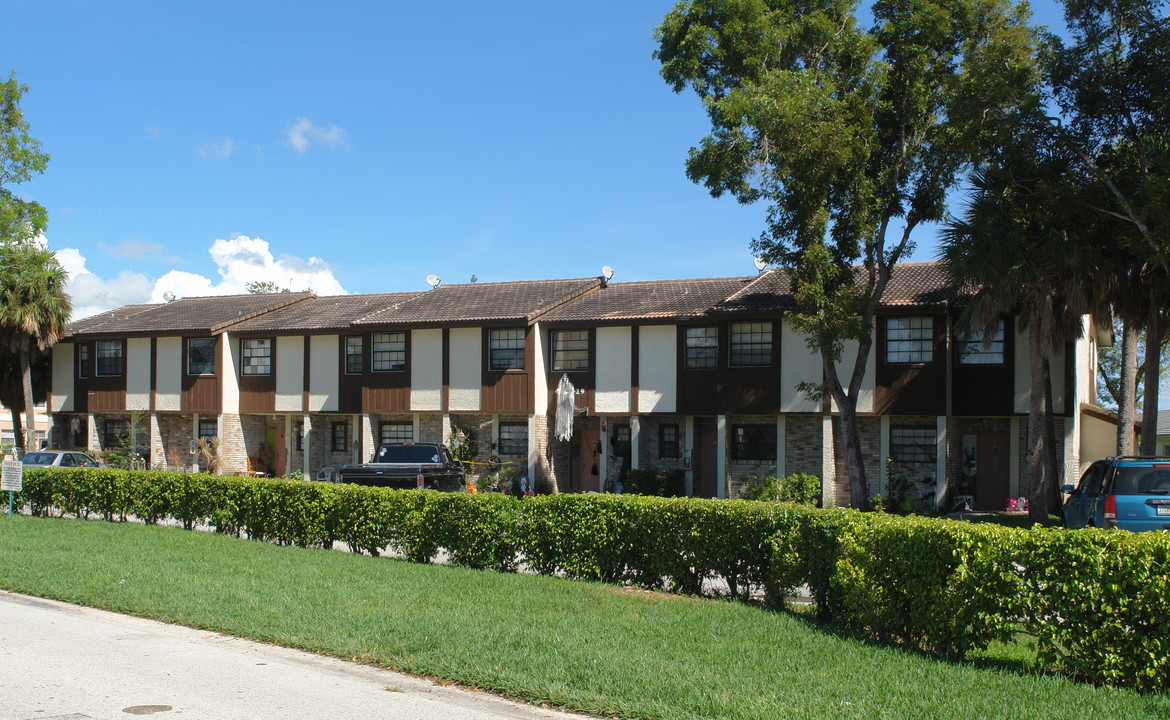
(359, 147)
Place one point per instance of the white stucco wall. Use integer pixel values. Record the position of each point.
(230, 362)
(63, 372)
(613, 369)
(426, 370)
(290, 373)
(797, 364)
(539, 372)
(138, 374)
(324, 368)
(168, 383)
(657, 368)
(1023, 374)
(869, 382)
(466, 368)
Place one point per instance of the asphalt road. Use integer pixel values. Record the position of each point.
(64, 662)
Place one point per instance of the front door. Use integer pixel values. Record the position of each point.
(705, 462)
(993, 464)
(589, 468)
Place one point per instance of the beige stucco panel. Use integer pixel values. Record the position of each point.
(613, 369)
(62, 378)
(426, 370)
(797, 364)
(138, 374)
(324, 378)
(657, 368)
(845, 372)
(466, 369)
(168, 382)
(230, 362)
(290, 373)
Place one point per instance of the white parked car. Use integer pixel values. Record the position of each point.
(58, 458)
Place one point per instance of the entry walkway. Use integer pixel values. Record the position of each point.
(64, 662)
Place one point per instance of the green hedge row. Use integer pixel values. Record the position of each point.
(1098, 601)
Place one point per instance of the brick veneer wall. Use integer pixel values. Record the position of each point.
(802, 445)
(738, 471)
(648, 443)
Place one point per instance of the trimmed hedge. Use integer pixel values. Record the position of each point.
(1098, 601)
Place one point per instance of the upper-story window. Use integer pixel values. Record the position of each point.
(109, 358)
(201, 356)
(570, 350)
(506, 349)
(751, 344)
(973, 350)
(353, 355)
(389, 351)
(909, 340)
(257, 356)
(702, 348)
(83, 361)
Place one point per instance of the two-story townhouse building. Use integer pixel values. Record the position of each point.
(700, 375)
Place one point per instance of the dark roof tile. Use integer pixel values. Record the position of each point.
(519, 301)
(186, 316)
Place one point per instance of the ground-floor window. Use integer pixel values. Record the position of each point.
(299, 434)
(115, 433)
(913, 444)
(753, 442)
(513, 439)
(340, 436)
(396, 432)
(668, 441)
(208, 428)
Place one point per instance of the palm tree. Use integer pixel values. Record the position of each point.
(1017, 249)
(33, 311)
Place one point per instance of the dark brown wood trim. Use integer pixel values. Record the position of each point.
(634, 369)
(153, 372)
(445, 398)
(305, 388)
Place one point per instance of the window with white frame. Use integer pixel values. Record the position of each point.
(750, 344)
(109, 358)
(396, 432)
(570, 350)
(913, 444)
(702, 348)
(976, 349)
(506, 349)
(256, 356)
(909, 340)
(353, 355)
(513, 439)
(389, 352)
(201, 356)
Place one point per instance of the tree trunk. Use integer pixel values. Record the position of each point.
(1039, 454)
(851, 444)
(17, 431)
(1154, 328)
(30, 416)
(1055, 469)
(1127, 403)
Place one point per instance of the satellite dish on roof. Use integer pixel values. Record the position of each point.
(760, 263)
(433, 281)
(607, 272)
(168, 296)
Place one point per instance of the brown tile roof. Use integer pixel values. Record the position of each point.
(519, 301)
(334, 312)
(649, 300)
(918, 284)
(195, 315)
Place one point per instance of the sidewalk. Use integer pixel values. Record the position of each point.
(64, 662)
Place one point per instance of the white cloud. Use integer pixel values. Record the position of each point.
(134, 249)
(152, 132)
(217, 149)
(239, 261)
(303, 132)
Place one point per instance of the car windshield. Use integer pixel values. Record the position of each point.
(1142, 481)
(39, 458)
(408, 454)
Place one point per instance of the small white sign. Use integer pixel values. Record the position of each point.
(12, 478)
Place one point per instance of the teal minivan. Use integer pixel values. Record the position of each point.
(1131, 493)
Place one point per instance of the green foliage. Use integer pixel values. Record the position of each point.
(649, 481)
(896, 486)
(21, 157)
(797, 488)
(1097, 601)
(261, 287)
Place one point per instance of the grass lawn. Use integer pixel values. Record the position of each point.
(591, 647)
